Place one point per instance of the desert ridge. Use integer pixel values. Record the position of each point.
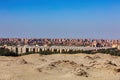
(60, 67)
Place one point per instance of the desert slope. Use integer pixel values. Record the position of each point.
(60, 67)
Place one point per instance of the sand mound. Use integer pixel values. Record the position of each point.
(65, 67)
(21, 61)
(80, 72)
(59, 65)
(63, 63)
(93, 57)
(117, 69)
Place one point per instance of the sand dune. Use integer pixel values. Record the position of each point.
(60, 67)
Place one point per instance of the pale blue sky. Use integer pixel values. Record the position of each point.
(60, 18)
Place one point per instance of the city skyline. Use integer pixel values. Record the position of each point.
(60, 19)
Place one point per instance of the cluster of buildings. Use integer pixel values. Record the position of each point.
(23, 45)
(60, 42)
(57, 49)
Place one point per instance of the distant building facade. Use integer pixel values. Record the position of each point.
(59, 42)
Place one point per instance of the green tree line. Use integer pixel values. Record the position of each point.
(115, 52)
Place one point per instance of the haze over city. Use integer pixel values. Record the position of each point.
(60, 18)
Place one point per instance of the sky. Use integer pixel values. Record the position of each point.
(60, 19)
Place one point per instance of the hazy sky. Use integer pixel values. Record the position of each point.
(60, 18)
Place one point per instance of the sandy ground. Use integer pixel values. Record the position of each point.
(60, 67)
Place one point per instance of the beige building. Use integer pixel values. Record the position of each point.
(118, 47)
(114, 45)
